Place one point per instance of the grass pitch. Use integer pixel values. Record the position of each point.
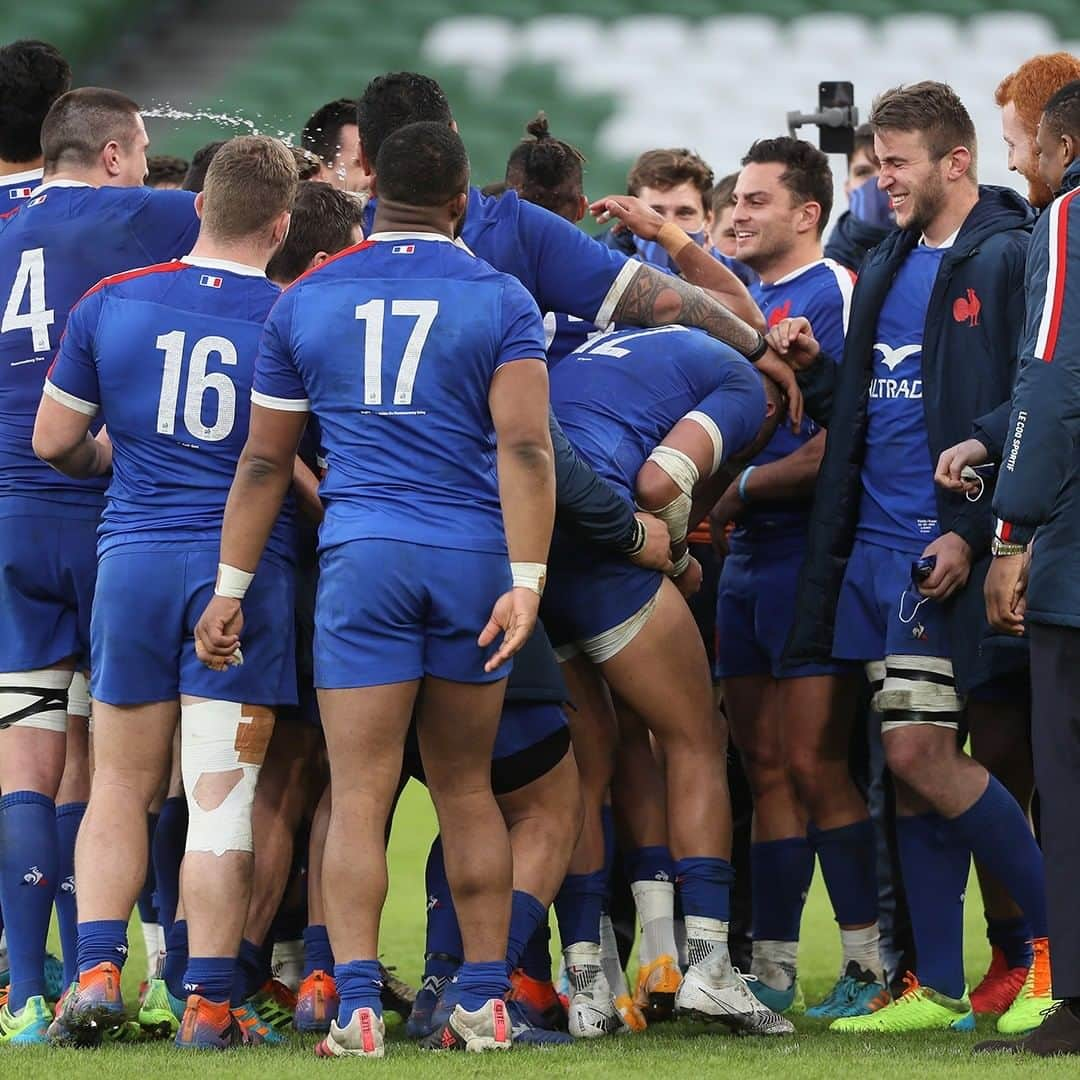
(676, 1050)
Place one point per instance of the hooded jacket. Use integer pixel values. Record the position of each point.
(852, 239)
(1039, 480)
(972, 333)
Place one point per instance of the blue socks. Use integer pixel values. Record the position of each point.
(526, 914)
(250, 972)
(476, 984)
(536, 960)
(176, 958)
(68, 819)
(999, 836)
(578, 906)
(211, 977)
(28, 881)
(318, 956)
(649, 864)
(1013, 938)
(170, 838)
(359, 984)
(147, 909)
(443, 936)
(849, 866)
(102, 942)
(704, 885)
(781, 871)
(935, 869)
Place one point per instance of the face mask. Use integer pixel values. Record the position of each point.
(654, 254)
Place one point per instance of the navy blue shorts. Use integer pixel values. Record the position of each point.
(880, 613)
(589, 592)
(48, 563)
(533, 737)
(389, 612)
(149, 597)
(754, 613)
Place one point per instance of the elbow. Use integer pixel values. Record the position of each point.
(260, 469)
(535, 456)
(654, 488)
(48, 448)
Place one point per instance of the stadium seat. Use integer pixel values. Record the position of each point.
(831, 35)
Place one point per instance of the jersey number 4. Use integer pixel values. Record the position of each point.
(198, 382)
(29, 288)
(373, 316)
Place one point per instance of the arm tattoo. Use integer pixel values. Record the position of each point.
(656, 299)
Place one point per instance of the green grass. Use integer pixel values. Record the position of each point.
(680, 1050)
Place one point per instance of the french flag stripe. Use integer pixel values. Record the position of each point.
(403, 249)
(210, 281)
(1050, 322)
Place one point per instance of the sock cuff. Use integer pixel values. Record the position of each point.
(530, 902)
(26, 798)
(788, 843)
(710, 868)
(841, 834)
(70, 809)
(317, 932)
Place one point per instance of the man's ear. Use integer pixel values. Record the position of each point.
(809, 216)
(317, 260)
(365, 162)
(1071, 147)
(957, 163)
(200, 203)
(110, 157)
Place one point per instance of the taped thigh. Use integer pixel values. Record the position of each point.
(918, 690)
(35, 699)
(218, 737)
(78, 703)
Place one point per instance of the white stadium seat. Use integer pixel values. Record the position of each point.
(732, 37)
(551, 39)
(831, 34)
(484, 45)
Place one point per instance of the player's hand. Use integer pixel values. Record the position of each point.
(629, 211)
(777, 370)
(656, 554)
(954, 460)
(514, 614)
(729, 507)
(952, 569)
(794, 340)
(1005, 590)
(217, 633)
(689, 581)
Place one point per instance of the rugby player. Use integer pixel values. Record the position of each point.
(657, 413)
(893, 566)
(793, 727)
(176, 431)
(431, 428)
(331, 136)
(91, 217)
(32, 76)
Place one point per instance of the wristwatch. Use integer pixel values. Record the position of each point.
(1001, 547)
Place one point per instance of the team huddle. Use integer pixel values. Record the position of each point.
(328, 470)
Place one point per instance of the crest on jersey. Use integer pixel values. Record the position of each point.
(210, 281)
(402, 249)
(893, 358)
(38, 201)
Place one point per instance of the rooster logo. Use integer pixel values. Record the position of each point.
(780, 313)
(967, 308)
(34, 877)
(68, 885)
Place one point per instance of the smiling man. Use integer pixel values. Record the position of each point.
(938, 311)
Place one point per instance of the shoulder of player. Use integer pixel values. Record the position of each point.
(117, 281)
(335, 263)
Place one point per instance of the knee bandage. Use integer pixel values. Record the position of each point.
(220, 737)
(35, 699)
(78, 703)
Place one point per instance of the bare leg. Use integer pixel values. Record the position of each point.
(365, 737)
(316, 850)
(638, 794)
(456, 725)
(132, 745)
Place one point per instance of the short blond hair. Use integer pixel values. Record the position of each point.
(249, 184)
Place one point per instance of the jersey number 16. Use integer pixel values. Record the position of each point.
(198, 382)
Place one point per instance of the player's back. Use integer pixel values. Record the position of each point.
(168, 352)
(395, 343)
(619, 395)
(16, 188)
(52, 250)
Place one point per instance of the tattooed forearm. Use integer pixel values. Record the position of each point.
(656, 299)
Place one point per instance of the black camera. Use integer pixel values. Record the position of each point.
(836, 117)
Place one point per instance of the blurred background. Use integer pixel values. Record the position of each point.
(615, 76)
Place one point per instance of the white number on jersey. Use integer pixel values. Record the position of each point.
(198, 382)
(373, 316)
(30, 278)
(602, 347)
